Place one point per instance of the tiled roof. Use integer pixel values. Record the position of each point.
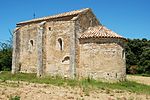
(75, 12)
(100, 32)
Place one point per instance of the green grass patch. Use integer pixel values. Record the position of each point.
(15, 98)
(86, 84)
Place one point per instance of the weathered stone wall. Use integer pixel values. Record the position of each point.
(16, 51)
(28, 48)
(84, 21)
(55, 55)
(102, 59)
(53, 47)
(58, 46)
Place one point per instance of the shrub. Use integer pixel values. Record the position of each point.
(15, 98)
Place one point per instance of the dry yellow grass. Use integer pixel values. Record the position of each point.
(139, 79)
(35, 91)
(55, 89)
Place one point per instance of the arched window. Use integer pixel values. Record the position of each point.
(31, 42)
(30, 46)
(66, 58)
(60, 43)
(123, 54)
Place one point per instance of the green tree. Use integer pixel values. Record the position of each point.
(5, 56)
(144, 62)
(138, 56)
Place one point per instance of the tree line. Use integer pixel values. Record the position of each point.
(137, 56)
(5, 56)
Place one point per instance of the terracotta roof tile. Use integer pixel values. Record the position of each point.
(100, 32)
(75, 12)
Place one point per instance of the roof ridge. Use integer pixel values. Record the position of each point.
(74, 12)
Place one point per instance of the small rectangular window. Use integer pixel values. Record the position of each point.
(49, 28)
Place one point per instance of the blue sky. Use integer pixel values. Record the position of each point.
(129, 18)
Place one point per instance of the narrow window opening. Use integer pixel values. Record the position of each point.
(19, 67)
(31, 42)
(116, 75)
(66, 58)
(49, 28)
(123, 53)
(60, 43)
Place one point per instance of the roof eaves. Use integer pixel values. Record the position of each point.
(71, 13)
(92, 32)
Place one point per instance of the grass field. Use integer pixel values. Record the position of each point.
(86, 84)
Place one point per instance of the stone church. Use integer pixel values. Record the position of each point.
(71, 44)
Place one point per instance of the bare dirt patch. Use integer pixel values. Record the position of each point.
(34, 91)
